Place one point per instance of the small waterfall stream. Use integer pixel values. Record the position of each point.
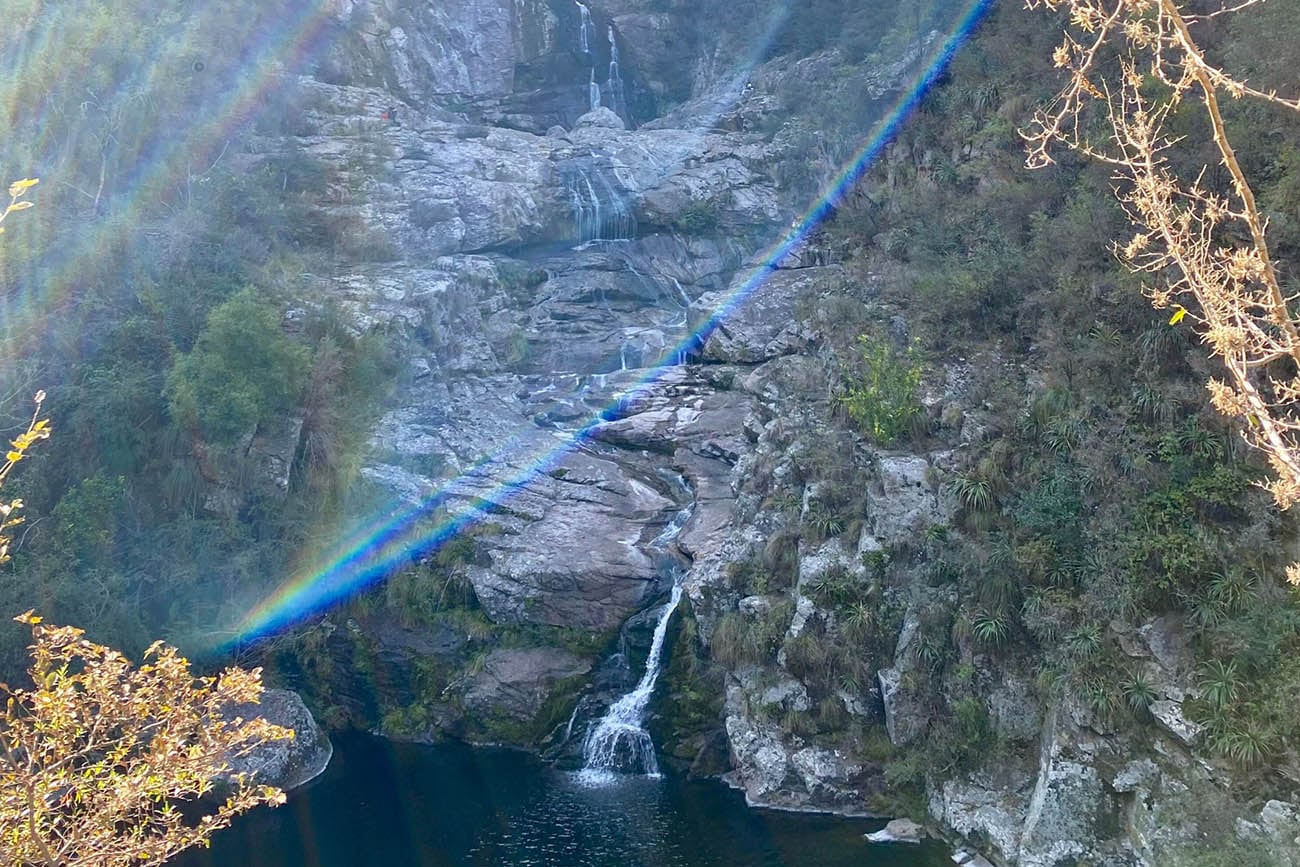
(586, 29)
(586, 46)
(619, 742)
(600, 212)
(616, 98)
(593, 92)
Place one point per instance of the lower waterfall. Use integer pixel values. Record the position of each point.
(619, 743)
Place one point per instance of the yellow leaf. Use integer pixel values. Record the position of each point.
(14, 457)
(1179, 313)
(21, 206)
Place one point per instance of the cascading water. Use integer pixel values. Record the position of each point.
(586, 31)
(619, 743)
(586, 41)
(686, 299)
(600, 212)
(616, 100)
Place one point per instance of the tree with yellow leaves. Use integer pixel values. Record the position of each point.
(1131, 66)
(17, 201)
(98, 756)
(37, 429)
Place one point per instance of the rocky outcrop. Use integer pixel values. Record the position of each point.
(767, 324)
(772, 775)
(289, 763)
(1277, 828)
(467, 48)
(898, 831)
(906, 716)
(515, 683)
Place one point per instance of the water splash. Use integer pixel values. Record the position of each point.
(619, 743)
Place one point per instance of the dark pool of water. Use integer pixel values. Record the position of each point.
(397, 805)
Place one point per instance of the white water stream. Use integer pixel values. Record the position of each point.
(619, 743)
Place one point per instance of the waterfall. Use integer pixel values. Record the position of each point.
(619, 743)
(616, 100)
(600, 212)
(568, 729)
(686, 299)
(587, 30)
(593, 91)
(586, 208)
(621, 223)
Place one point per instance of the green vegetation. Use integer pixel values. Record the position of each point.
(243, 371)
(741, 639)
(1093, 490)
(880, 395)
(697, 218)
(193, 416)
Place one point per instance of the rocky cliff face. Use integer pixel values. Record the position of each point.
(538, 270)
(544, 265)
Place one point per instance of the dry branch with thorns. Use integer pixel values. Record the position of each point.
(1131, 63)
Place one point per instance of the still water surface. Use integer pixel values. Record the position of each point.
(395, 805)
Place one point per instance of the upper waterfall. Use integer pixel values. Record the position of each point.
(586, 29)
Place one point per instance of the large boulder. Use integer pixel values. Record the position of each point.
(978, 809)
(905, 503)
(583, 504)
(777, 770)
(285, 764)
(898, 831)
(759, 760)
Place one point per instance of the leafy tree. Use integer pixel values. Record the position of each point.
(881, 397)
(97, 758)
(242, 371)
